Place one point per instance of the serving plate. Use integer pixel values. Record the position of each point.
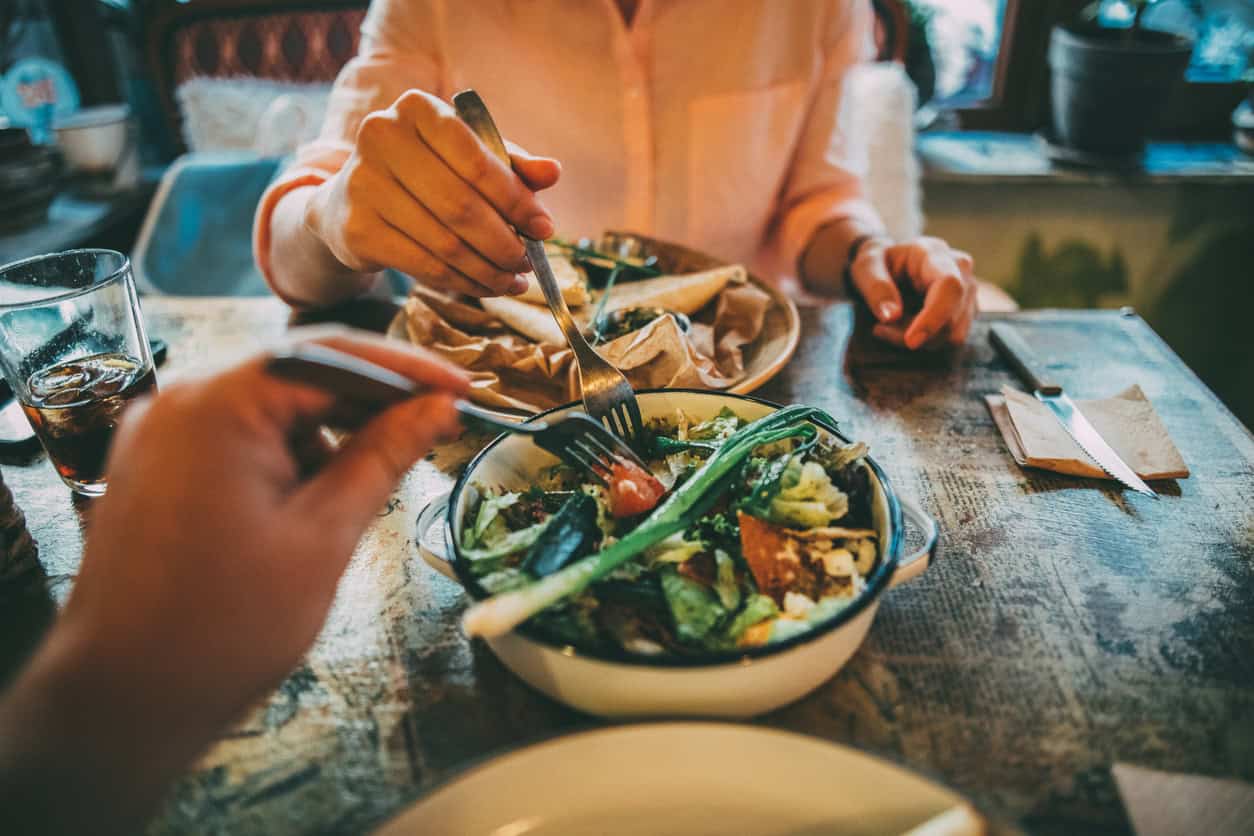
(775, 346)
(682, 779)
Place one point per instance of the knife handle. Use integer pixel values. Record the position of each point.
(1015, 349)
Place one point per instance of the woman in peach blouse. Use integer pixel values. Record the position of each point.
(711, 122)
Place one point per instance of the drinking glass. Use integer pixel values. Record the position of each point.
(74, 351)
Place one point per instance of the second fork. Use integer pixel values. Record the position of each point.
(605, 391)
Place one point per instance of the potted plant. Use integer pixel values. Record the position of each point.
(1108, 85)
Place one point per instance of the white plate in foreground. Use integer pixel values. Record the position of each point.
(679, 779)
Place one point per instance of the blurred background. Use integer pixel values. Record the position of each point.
(151, 126)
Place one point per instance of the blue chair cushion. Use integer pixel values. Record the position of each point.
(197, 238)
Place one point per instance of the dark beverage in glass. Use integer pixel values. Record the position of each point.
(74, 407)
(74, 351)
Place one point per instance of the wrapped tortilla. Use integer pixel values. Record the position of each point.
(518, 359)
(534, 321)
(506, 370)
(659, 356)
(738, 320)
(686, 293)
(570, 280)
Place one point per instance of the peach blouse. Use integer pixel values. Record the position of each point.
(710, 122)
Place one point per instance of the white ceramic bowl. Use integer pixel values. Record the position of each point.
(742, 683)
(95, 138)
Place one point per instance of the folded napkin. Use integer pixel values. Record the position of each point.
(1127, 422)
(1175, 804)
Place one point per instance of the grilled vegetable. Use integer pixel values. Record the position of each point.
(570, 533)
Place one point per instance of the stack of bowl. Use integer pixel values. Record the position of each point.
(28, 179)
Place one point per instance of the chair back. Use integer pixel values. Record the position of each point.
(283, 40)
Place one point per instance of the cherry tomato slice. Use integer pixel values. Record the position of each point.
(633, 491)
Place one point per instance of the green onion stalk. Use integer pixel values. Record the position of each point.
(498, 615)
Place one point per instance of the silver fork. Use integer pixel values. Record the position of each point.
(367, 388)
(606, 394)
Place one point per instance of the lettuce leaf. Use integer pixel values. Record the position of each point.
(757, 609)
(719, 427)
(674, 549)
(498, 545)
(695, 610)
(488, 522)
(807, 498)
(725, 585)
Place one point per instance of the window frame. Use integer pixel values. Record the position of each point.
(1021, 98)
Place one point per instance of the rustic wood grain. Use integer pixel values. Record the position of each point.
(1068, 625)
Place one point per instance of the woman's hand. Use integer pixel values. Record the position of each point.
(209, 569)
(938, 274)
(939, 302)
(422, 194)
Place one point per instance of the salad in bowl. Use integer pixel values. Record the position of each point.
(734, 573)
(778, 538)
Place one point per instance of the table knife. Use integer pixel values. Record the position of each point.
(1013, 347)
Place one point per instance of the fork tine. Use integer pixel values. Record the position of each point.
(587, 462)
(611, 418)
(602, 448)
(637, 422)
(600, 465)
(616, 449)
(613, 453)
(608, 421)
(585, 445)
(629, 431)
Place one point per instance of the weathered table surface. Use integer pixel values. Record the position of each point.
(1067, 626)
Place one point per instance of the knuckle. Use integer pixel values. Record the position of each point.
(952, 286)
(461, 210)
(410, 102)
(520, 204)
(469, 288)
(497, 281)
(373, 127)
(357, 234)
(445, 275)
(478, 167)
(447, 247)
(356, 185)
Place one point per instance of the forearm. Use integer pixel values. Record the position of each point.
(80, 753)
(824, 260)
(302, 268)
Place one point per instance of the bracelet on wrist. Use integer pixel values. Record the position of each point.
(852, 254)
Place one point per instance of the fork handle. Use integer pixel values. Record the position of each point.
(344, 375)
(370, 385)
(472, 110)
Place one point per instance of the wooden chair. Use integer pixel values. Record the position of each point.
(284, 40)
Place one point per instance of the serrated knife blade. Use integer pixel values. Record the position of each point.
(1013, 347)
(1091, 441)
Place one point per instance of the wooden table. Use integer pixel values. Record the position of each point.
(1067, 626)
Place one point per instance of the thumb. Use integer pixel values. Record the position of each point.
(348, 492)
(874, 282)
(537, 172)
